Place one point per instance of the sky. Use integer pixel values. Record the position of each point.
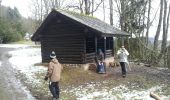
(22, 5)
(24, 8)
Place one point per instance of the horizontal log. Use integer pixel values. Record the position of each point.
(155, 96)
(90, 54)
(53, 40)
(65, 35)
(89, 60)
(66, 62)
(63, 47)
(63, 51)
(108, 50)
(67, 56)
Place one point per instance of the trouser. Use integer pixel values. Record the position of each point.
(123, 66)
(54, 88)
(101, 67)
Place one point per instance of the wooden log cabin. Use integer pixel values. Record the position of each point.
(75, 38)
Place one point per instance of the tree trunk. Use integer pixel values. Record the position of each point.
(122, 3)
(111, 12)
(81, 6)
(159, 26)
(148, 23)
(46, 6)
(104, 11)
(0, 2)
(164, 36)
(57, 4)
(0, 8)
(87, 7)
(167, 27)
(92, 7)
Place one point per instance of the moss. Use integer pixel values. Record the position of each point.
(77, 14)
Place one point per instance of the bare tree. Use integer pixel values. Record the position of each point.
(46, 7)
(56, 3)
(165, 30)
(167, 26)
(148, 22)
(104, 16)
(0, 6)
(0, 2)
(111, 11)
(159, 26)
(86, 6)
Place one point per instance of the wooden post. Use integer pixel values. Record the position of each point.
(84, 55)
(104, 47)
(113, 46)
(95, 44)
(122, 38)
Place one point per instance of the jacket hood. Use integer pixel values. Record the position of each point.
(55, 60)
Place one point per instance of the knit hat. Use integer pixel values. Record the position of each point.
(52, 55)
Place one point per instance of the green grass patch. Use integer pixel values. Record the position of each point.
(23, 42)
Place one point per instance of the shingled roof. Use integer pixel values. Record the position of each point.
(94, 23)
(89, 21)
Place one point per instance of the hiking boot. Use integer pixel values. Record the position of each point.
(123, 76)
(55, 99)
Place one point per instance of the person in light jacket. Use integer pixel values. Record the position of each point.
(122, 56)
(54, 74)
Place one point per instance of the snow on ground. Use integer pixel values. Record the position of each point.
(14, 45)
(0, 63)
(23, 60)
(95, 91)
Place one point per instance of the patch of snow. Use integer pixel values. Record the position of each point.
(0, 63)
(23, 60)
(14, 45)
(97, 91)
(162, 68)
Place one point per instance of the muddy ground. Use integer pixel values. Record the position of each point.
(11, 87)
(74, 79)
(77, 84)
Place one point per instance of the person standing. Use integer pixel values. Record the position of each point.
(54, 74)
(100, 62)
(122, 56)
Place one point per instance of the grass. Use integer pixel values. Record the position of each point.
(75, 77)
(23, 42)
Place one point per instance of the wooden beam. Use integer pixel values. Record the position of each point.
(84, 53)
(96, 44)
(113, 48)
(155, 96)
(122, 39)
(104, 47)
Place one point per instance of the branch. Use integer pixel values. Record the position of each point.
(70, 6)
(97, 6)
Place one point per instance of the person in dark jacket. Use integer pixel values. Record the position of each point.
(100, 62)
(54, 74)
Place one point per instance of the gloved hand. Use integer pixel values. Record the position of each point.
(46, 78)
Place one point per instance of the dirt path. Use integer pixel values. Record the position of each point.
(10, 87)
